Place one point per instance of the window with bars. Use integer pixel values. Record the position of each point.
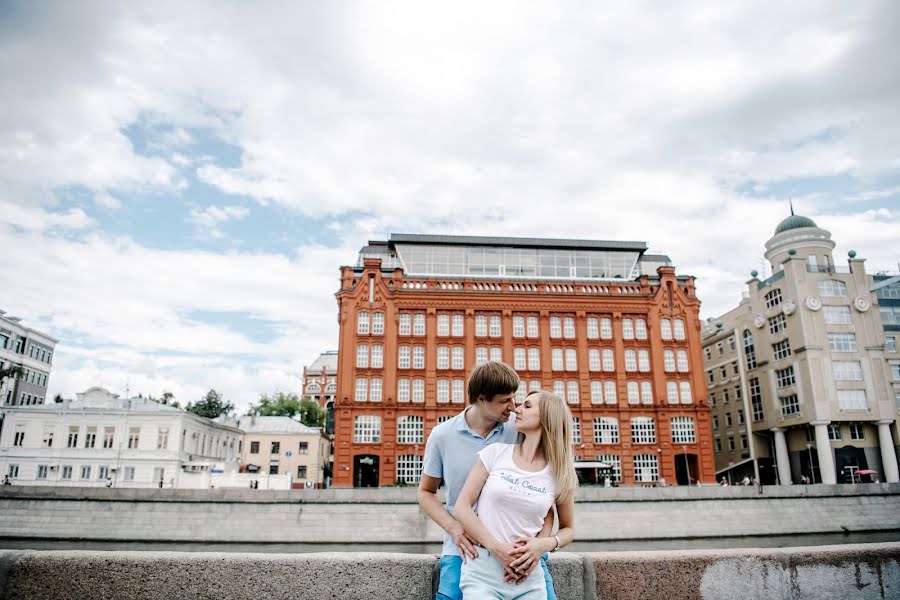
(605, 328)
(443, 325)
(559, 388)
(837, 315)
(569, 328)
(403, 390)
(646, 468)
(405, 324)
(458, 360)
(678, 325)
(521, 393)
(418, 357)
(615, 462)
(831, 288)
(367, 429)
(749, 350)
(632, 392)
(362, 356)
(362, 323)
(777, 324)
(576, 430)
(852, 400)
(665, 329)
(419, 324)
(640, 329)
(403, 357)
(534, 359)
(669, 361)
(609, 363)
(443, 391)
(773, 298)
(378, 323)
(418, 390)
(682, 359)
(480, 325)
(627, 329)
(847, 371)
(630, 360)
(572, 396)
(596, 392)
(646, 393)
(496, 353)
(481, 355)
(683, 430)
(556, 359)
(756, 400)
(672, 392)
(443, 357)
(784, 377)
(593, 328)
(377, 352)
(458, 394)
(606, 430)
(410, 429)
(375, 389)
(781, 350)
(571, 362)
(519, 360)
(609, 392)
(790, 405)
(531, 327)
(555, 327)
(593, 359)
(495, 330)
(643, 430)
(456, 326)
(842, 342)
(643, 361)
(361, 393)
(409, 468)
(518, 326)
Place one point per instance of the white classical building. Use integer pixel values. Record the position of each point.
(21, 346)
(100, 439)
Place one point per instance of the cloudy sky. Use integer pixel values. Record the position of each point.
(179, 182)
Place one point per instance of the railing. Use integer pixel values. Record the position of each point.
(826, 269)
(613, 289)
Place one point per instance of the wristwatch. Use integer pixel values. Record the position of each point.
(556, 537)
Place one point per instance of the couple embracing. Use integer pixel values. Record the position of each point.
(504, 477)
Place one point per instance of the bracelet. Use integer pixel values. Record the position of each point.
(558, 546)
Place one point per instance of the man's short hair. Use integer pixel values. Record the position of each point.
(492, 378)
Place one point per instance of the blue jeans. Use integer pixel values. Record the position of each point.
(451, 568)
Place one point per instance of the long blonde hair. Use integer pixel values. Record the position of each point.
(556, 442)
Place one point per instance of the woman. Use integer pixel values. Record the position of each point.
(516, 485)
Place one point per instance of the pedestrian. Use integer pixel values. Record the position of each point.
(745, 480)
(7, 480)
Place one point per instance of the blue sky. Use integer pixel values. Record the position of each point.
(180, 183)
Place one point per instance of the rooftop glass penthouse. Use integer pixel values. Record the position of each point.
(470, 256)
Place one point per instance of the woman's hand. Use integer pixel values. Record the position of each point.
(504, 553)
(527, 554)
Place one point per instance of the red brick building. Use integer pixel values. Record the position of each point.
(610, 328)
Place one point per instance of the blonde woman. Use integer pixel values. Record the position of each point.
(515, 486)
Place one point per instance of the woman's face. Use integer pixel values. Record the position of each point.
(528, 414)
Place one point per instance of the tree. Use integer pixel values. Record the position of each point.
(289, 405)
(58, 398)
(210, 406)
(167, 398)
(12, 371)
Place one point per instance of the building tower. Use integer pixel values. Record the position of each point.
(797, 371)
(605, 325)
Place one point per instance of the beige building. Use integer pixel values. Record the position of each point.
(798, 376)
(31, 350)
(279, 445)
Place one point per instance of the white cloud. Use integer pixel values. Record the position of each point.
(207, 220)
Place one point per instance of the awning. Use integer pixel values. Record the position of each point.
(592, 464)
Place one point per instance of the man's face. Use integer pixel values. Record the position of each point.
(500, 407)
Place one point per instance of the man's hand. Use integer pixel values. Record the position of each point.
(463, 541)
(527, 554)
(504, 553)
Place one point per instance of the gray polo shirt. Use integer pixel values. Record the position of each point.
(450, 453)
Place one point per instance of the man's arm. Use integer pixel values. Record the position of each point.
(426, 495)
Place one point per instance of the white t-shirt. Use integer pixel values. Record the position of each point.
(513, 502)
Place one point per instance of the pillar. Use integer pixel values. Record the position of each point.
(781, 457)
(888, 456)
(823, 451)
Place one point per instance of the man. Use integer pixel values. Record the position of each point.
(449, 456)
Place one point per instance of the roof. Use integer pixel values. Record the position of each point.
(794, 222)
(327, 360)
(274, 425)
(472, 240)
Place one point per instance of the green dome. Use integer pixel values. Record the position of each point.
(794, 222)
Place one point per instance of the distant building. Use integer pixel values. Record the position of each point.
(320, 384)
(608, 327)
(799, 373)
(33, 351)
(100, 439)
(279, 445)
(887, 291)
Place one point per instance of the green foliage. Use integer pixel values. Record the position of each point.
(306, 410)
(12, 371)
(58, 398)
(210, 406)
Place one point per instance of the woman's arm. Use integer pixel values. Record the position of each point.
(474, 527)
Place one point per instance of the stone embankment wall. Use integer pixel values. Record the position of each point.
(866, 571)
(391, 515)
